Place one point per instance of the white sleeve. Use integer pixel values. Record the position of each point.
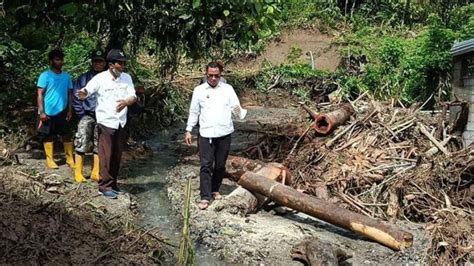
(130, 88)
(234, 100)
(92, 86)
(194, 111)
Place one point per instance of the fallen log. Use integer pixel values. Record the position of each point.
(312, 113)
(236, 166)
(326, 123)
(242, 201)
(384, 233)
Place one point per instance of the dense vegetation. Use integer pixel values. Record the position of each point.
(395, 49)
(401, 47)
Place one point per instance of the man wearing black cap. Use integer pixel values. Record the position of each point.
(115, 91)
(86, 139)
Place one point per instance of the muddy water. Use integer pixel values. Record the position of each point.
(146, 180)
(147, 183)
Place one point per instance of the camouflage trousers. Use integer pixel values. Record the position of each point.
(87, 136)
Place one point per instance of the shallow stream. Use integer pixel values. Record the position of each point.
(147, 183)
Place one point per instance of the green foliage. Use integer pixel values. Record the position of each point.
(390, 53)
(167, 30)
(190, 28)
(289, 74)
(308, 13)
(77, 53)
(17, 78)
(402, 64)
(294, 54)
(467, 32)
(351, 86)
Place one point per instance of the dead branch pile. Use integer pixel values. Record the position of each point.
(50, 229)
(386, 162)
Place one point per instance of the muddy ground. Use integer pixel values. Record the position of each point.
(268, 236)
(47, 218)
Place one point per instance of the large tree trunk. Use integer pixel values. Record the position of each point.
(236, 166)
(242, 201)
(384, 233)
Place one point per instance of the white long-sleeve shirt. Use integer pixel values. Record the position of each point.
(109, 91)
(213, 107)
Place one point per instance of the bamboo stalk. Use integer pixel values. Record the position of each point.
(186, 250)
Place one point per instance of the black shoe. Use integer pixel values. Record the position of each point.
(118, 191)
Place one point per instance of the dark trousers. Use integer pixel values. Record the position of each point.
(111, 144)
(55, 125)
(213, 154)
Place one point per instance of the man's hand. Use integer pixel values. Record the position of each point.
(188, 138)
(236, 109)
(69, 115)
(43, 117)
(81, 94)
(121, 104)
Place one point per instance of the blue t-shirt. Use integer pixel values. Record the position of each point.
(56, 88)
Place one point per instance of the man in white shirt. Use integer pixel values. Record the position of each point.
(212, 104)
(115, 91)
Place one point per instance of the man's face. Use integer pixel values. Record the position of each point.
(213, 76)
(119, 66)
(98, 65)
(57, 63)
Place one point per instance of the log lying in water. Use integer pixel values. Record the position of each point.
(326, 123)
(384, 233)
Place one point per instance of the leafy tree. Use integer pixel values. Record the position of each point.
(190, 28)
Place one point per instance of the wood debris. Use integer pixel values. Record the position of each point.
(387, 161)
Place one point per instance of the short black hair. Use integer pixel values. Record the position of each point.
(55, 53)
(214, 64)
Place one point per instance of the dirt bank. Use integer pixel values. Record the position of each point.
(47, 218)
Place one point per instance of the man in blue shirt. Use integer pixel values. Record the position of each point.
(54, 108)
(86, 138)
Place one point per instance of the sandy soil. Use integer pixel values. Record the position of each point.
(325, 52)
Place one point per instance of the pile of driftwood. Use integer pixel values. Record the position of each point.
(382, 160)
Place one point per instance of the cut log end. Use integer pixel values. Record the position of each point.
(326, 123)
(401, 243)
(323, 124)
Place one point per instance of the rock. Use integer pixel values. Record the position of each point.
(314, 252)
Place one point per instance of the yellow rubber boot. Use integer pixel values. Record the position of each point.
(48, 150)
(95, 169)
(68, 150)
(78, 177)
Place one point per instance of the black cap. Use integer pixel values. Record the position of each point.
(116, 55)
(98, 55)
